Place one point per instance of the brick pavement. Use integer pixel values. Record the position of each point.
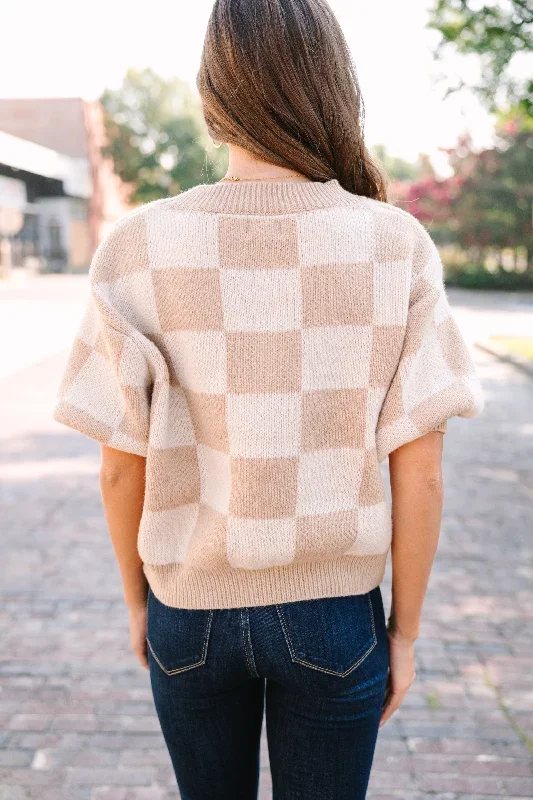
(76, 715)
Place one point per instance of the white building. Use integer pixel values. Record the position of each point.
(58, 194)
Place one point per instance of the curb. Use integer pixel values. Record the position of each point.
(502, 355)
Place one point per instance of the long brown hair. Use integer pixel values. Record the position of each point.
(277, 78)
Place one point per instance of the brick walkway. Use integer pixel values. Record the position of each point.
(76, 712)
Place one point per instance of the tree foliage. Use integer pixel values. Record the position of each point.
(398, 169)
(501, 34)
(157, 136)
(494, 206)
(487, 203)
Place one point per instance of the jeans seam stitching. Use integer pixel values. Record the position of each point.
(249, 637)
(250, 669)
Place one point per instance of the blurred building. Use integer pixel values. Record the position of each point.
(58, 194)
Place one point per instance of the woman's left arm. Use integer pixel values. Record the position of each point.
(122, 484)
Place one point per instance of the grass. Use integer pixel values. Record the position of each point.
(433, 702)
(527, 741)
(521, 346)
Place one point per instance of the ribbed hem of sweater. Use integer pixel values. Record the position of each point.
(182, 587)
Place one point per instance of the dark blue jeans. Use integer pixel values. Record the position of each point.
(317, 668)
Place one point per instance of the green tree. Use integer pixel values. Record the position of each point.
(397, 169)
(157, 136)
(486, 206)
(501, 34)
(491, 193)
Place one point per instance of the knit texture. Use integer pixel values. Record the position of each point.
(265, 345)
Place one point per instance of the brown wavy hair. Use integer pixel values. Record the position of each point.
(277, 78)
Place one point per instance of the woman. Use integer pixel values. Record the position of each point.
(252, 350)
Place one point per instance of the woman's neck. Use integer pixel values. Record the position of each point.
(243, 165)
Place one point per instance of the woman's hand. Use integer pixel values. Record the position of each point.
(138, 633)
(401, 673)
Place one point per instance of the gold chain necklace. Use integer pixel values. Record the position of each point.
(234, 178)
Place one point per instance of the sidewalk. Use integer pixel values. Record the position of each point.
(76, 712)
(38, 315)
(500, 323)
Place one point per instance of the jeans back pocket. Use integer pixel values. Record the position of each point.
(331, 634)
(177, 637)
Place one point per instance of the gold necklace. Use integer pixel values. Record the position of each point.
(234, 178)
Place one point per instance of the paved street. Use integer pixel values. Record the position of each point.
(76, 716)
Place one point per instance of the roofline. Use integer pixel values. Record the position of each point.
(22, 154)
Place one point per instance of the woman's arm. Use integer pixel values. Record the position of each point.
(417, 497)
(122, 482)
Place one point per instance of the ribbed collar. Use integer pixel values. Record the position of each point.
(263, 197)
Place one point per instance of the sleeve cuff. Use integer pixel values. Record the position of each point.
(89, 426)
(442, 427)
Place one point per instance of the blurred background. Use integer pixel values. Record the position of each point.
(99, 113)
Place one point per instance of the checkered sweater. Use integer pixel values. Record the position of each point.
(265, 345)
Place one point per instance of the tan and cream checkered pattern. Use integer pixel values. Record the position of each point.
(265, 346)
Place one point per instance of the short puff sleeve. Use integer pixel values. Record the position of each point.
(106, 387)
(435, 378)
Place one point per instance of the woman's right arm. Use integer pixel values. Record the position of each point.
(417, 498)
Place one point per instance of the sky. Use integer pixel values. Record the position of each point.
(68, 49)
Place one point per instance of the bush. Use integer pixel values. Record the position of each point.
(475, 277)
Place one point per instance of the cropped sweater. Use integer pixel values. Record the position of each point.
(265, 345)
